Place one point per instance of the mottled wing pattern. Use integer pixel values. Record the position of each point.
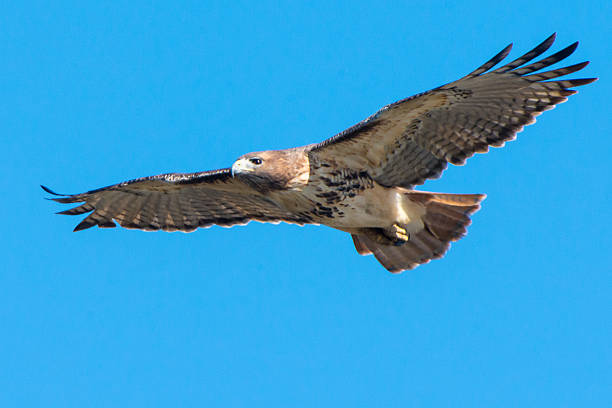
(176, 202)
(412, 140)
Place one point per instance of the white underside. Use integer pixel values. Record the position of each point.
(379, 207)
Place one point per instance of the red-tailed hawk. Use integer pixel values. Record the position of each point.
(361, 180)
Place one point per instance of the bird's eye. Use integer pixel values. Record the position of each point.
(256, 161)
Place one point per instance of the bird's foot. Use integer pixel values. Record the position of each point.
(399, 235)
(393, 235)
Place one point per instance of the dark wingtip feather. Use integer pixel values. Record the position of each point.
(490, 63)
(504, 53)
(547, 43)
(572, 68)
(63, 198)
(84, 225)
(48, 190)
(570, 49)
(537, 51)
(568, 83)
(579, 66)
(553, 59)
(555, 73)
(564, 53)
(81, 209)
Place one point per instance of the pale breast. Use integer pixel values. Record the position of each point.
(346, 198)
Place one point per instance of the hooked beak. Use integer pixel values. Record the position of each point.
(238, 167)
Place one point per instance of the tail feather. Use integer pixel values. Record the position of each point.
(446, 219)
(361, 248)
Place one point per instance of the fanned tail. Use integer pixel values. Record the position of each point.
(446, 219)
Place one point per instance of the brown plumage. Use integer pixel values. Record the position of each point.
(359, 181)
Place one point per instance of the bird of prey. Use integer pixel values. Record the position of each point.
(361, 180)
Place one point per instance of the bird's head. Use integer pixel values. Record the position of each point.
(270, 169)
(251, 163)
(259, 170)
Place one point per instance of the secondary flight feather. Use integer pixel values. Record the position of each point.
(360, 181)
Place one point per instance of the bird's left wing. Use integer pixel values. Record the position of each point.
(176, 202)
(412, 140)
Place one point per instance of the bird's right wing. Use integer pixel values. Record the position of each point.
(176, 202)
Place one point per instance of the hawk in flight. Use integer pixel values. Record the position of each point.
(360, 181)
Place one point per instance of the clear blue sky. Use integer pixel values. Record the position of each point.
(516, 314)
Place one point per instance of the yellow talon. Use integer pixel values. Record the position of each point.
(401, 233)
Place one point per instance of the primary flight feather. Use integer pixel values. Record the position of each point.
(360, 181)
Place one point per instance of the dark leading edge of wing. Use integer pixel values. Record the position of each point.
(482, 109)
(174, 202)
(173, 178)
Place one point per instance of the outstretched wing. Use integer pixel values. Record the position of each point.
(176, 202)
(412, 140)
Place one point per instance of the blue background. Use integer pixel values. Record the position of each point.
(516, 314)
